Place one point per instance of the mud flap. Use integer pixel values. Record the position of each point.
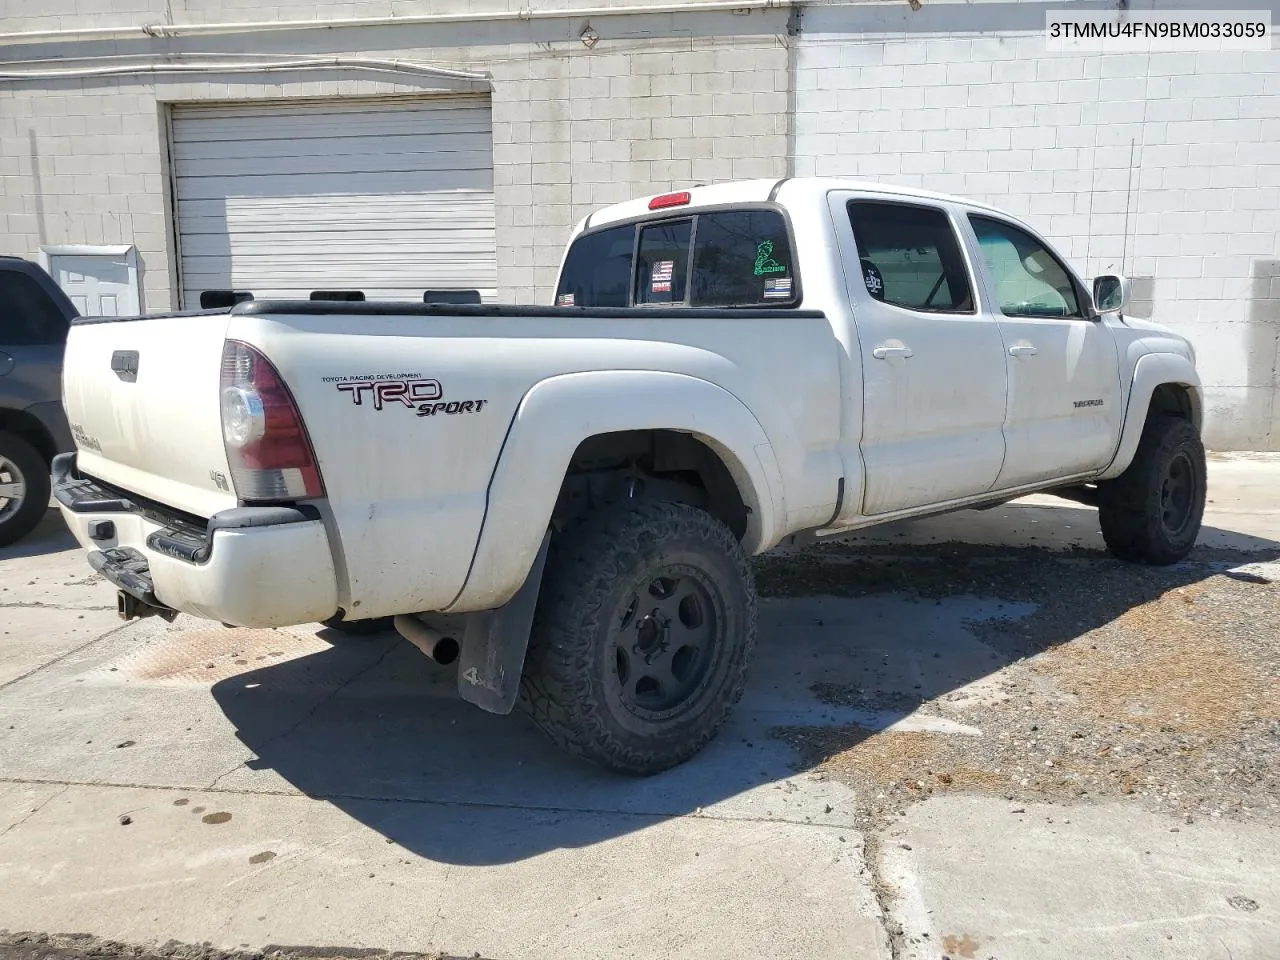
(494, 644)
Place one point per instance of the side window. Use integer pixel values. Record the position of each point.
(28, 315)
(740, 258)
(597, 269)
(1030, 281)
(662, 263)
(910, 257)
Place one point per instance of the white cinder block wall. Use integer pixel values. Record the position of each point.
(660, 101)
(1163, 166)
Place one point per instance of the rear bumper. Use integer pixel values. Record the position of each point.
(251, 566)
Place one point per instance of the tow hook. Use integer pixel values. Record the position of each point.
(129, 607)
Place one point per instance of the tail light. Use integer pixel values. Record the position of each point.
(267, 446)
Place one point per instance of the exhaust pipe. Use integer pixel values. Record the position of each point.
(440, 648)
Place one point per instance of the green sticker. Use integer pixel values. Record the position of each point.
(764, 260)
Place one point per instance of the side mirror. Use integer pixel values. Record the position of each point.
(1110, 293)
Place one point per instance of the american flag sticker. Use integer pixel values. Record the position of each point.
(777, 288)
(660, 279)
(565, 300)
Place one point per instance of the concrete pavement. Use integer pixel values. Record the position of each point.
(976, 879)
(299, 787)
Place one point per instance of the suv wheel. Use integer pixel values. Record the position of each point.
(24, 487)
(640, 642)
(1152, 512)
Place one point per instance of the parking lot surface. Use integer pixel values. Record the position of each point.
(975, 736)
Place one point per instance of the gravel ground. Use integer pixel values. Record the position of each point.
(42, 946)
(1160, 686)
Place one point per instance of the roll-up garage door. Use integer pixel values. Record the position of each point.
(391, 198)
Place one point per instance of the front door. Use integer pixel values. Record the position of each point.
(1065, 410)
(932, 364)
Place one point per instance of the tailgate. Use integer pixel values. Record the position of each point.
(142, 398)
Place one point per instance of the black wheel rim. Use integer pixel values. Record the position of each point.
(1178, 494)
(13, 488)
(664, 640)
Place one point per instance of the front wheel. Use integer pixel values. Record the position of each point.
(645, 624)
(24, 487)
(1152, 512)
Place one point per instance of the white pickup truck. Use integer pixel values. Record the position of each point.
(564, 498)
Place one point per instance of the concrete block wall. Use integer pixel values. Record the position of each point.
(1164, 166)
(658, 102)
(574, 133)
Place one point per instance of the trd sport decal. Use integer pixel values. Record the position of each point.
(412, 390)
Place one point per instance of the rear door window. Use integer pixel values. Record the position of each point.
(28, 315)
(909, 256)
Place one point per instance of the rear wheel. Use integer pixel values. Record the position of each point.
(640, 642)
(24, 487)
(1152, 512)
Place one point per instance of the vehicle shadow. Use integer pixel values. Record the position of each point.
(50, 536)
(854, 636)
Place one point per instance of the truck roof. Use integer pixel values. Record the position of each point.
(759, 191)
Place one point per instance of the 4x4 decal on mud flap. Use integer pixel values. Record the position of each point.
(425, 394)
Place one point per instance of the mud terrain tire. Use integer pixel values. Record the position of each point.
(640, 643)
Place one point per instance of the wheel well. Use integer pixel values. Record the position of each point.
(31, 430)
(1172, 399)
(659, 464)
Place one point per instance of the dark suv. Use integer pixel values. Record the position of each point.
(34, 317)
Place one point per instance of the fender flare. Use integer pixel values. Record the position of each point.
(558, 414)
(1151, 371)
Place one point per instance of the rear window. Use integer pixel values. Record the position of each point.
(729, 258)
(664, 262)
(597, 270)
(741, 257)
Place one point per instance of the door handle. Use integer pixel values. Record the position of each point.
(884, 353)
(1022, 350)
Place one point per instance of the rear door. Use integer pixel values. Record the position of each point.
(933, 364)
(33, 332)
(1064, 411)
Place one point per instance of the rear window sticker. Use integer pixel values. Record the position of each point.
(565, 300)
(660, 280)
(872, 277)
(764, 260)
(777, 288)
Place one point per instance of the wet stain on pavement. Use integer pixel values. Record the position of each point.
(219, 817)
